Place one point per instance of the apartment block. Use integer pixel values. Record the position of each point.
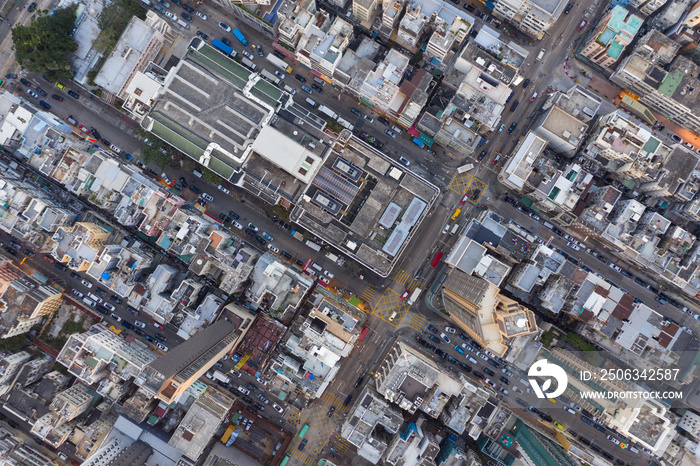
(78, 246)
(170, 375)
(24, 300)
(533, 17)
(646, 7)
(54, 428)
(380, 86)
(692, 19)
(364, 10)
(664, 82)
(10, 364)
(138, 45)
(321, 48)
(487, 316)
(620, 138)
(294, 17)
(99, 356)
(201, 422)
(613, 33)
(446, 37)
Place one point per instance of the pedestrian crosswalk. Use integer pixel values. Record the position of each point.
(369, 293)
(401, 278)
(417, 322)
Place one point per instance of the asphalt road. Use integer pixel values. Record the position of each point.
(556, 410)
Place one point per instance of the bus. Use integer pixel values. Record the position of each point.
(363, 334)
(223, 48)
(285, 460)
(437, 258)
(303, 430)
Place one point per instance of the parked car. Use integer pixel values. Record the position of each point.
(582, 25)
(225, 27)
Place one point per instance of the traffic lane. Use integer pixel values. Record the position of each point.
(69, 283)
(583, 257)
(104, 119)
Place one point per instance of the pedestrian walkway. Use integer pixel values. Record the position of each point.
(416, 322)
(369, 293)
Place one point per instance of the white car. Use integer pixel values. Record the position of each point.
(277, 408)
(89, 302)
(207, 197)
(450, 330)
(109, 306)
(272, 248)
(86, 283)
(616, 268)
(201, 15)
(445, 338)
(507, 372)
(569, 410)
(573, 246)
(237, 225)
(243, 390)
(161, 346)
(116, 317)
(279, 74)
(115, 149)
(482, 356)
(471, 360)
(173, 16)
(76, 293)
(139, 324)
(252, 226)
(247, 54)
(223, 190)
(328, 274)
(225, 27)
(613, 439)
(517, 390)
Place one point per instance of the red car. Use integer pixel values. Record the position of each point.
(464, 199)
(84, 129)
(49, 259)
(157, 325)
(582, 25)
(405, 294)
(534, 96)
(495, 161)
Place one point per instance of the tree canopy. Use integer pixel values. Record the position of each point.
(45, 44)
(113, 21)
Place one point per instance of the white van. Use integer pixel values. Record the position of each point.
(181, 23)
(540, 55)
(147, 2)
(197, 174)
(454, 229)
(320, 81)
(291, 90)
(396, 129)
(311, 102)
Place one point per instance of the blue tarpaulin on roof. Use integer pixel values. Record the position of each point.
(105, 276)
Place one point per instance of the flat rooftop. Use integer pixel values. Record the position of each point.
(212, 109)
(355, 229)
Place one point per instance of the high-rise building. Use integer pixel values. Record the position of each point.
(24, 301)
(364, 10)
(487, 316)
(533, 17)
(612, 34)
(170, 375)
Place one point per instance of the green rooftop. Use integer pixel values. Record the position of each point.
(670, 83)
(211, 58)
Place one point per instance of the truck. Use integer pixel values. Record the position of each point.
(313, 245)
(465, 168)
(346, 124)
(221, 376)
(223, 48)
(332, 257)
(418, 142)
(414, 296)
(327, 111)
(239, 35)
(249, 64)
(297, 235)
(279, 63)
(270, 77)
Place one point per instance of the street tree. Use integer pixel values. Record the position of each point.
(45, 44)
